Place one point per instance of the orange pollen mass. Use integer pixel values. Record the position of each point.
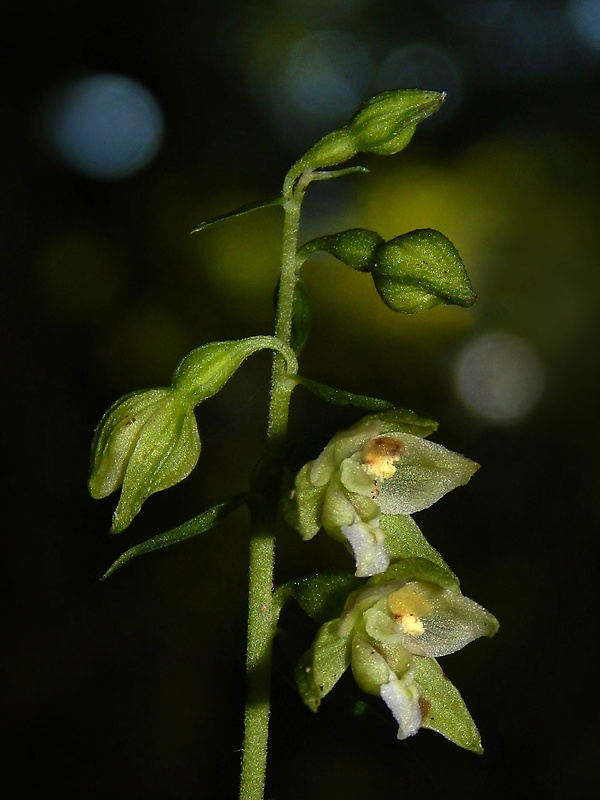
(379, 455)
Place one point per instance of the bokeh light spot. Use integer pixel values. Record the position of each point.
(584, 17)
(499, 377)
(105, 127)
(325, 78)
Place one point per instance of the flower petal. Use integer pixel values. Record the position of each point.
(402, 699)
(368, 545)
(426, 472)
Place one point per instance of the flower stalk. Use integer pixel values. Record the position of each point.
(401, 608)
(262, 613)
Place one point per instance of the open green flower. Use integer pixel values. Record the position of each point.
(381, 465)
(390, 633)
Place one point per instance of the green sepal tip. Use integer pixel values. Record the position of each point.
(445, 710)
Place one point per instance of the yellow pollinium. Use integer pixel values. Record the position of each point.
(408, 606)
(380, 454)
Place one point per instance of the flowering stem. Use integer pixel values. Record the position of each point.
(262, 613)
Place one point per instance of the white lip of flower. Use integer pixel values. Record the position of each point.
(368, 545)
(402, 699)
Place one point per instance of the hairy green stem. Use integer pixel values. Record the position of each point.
(262, 614)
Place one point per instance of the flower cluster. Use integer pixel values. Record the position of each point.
(362, 490)
(382, 465)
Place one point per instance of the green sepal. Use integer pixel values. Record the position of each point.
(323, 665)
(404, 539)
(304, 514)
(426, 472)
(200, 524)
(340, 397)
(323, 596)
(356, 247)
(420, 270)
(239, 212)
(404, 420)
(417, 569)
(444, 709)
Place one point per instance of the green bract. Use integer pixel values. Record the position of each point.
(389, 633)
(147, 441)
(374, 467)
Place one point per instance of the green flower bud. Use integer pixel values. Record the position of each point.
(146, 441)
(386, 123)
(383, 125)
(420, 270)
(356, 247)
(204, 371)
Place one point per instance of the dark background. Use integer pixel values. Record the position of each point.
(134, 687)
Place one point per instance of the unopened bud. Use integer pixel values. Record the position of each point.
(386, 123)
(420, 270)
(146, 441)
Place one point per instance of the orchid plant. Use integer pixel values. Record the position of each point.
(401, 607)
